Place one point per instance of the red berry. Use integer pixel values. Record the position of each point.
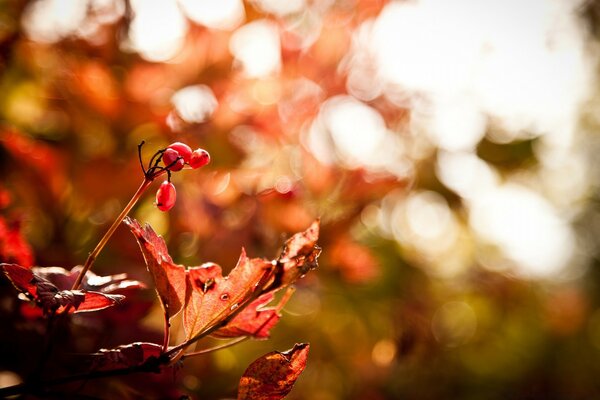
(183, 149)
(200, 158)
(166, 196)
(173, 160)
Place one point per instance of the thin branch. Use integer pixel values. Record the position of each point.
(92, 256)
(166, 333)
(140, 156)
(219, 347)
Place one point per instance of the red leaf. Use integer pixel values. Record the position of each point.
(273, 375)
(94, 301)
(212, 298)
(125, 356)
(255, 320)
(169, 278)
(21, 278)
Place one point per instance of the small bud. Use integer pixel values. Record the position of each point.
(173, 160)
(166, 196)
(200, 158)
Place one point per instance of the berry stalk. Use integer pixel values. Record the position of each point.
(94, 253)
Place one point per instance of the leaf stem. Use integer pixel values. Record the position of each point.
(92, 256)
(166, 333)
(215, 348)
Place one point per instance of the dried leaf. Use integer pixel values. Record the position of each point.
(53, 300)
(299, 255)
(169, 278)
(126, 356)
(64, 279)
(212, 298)
(273, 375)
(255, 320)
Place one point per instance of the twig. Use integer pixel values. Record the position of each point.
(92, 256)
(219, 347)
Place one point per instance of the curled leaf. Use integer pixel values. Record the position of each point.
(51, 298)
(273, 375)
(125, 356)
(299, 255)
(169, 278)
(64, 279)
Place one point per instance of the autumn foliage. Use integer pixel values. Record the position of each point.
(235, 306)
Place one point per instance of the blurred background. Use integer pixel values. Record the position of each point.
(449, 148)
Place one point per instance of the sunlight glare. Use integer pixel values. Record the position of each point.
(49, 21)
(224, 14)
(465, 173)
(424, 220)
(527, 229)
(280, 8)
(354, 134)
(195, 104)
(530, 78)
(158, 29)
(256, 47)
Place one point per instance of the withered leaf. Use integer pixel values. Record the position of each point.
(299, 255)
(65, 279)
(169, 278)
(125, 356)
(51, 298)
(273, 375)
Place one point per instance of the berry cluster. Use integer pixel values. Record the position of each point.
(174, 158)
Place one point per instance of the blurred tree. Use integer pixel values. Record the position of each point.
(448, 148)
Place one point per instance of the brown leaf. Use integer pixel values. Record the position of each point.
(299, 255)
(169, 278)
(125, 356)
(212, 298)
(273, 375)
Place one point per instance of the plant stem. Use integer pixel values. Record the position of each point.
(220, 347)
(92, 256)
(166, 333)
